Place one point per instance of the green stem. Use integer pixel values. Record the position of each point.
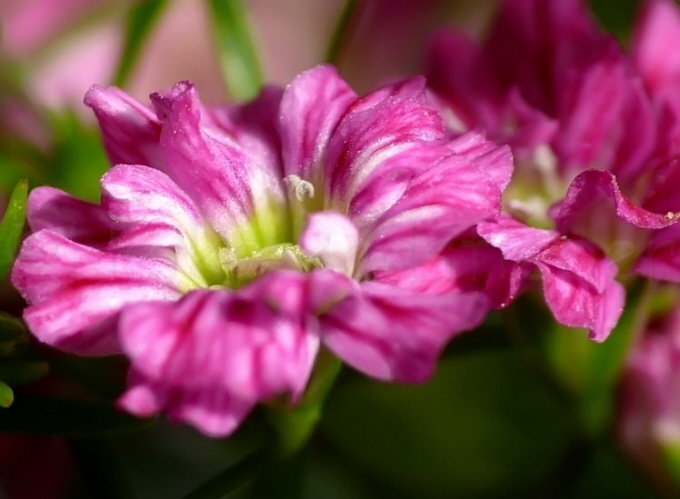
(294, 426)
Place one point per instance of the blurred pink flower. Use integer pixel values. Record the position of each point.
(255, 232)
(593, 154)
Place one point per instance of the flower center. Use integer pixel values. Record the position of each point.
(535, 187)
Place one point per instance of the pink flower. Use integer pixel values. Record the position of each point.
(231, 242)
(594, 156)
(649, 402)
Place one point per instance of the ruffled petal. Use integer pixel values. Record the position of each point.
(578, 279)
(212, 350)
(438, 205)
(130, 130)
(661, 259)
(82, 222)
(216, 171)
(591, 196)
(310, 109)
(74, 291)
(397, 335)
(394, 120)
(577, 305)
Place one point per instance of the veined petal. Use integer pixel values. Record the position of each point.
(578, 279)
(397, 335)
(130, 130)
(593, 192)
(216, 172)
(375, 128)
(439, 204)
(310, 109)
(576, 305)
(153, 212)
(213, 347)
(661, 259)
(467, 264)
(82, 222)
(72, 290)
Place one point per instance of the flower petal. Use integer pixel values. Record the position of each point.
(215, 170)
(130, 130)
(215, 350)
(393, 334)
(154, 214)
(310, 109)
(82, 222)
(73, 289)
(661, 259)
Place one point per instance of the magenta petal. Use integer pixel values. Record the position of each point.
(657, 29)
(211, 167)
(375, 129)
(517, 242)
(72, 290)
(82, 222)
(661, 258)
(311, 107)
(439, 204)
(591, 195)
(463, 266)
(212, 350)
(577, 305)
(392, 334)
(130, 130)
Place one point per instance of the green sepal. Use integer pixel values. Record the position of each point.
(21, 372)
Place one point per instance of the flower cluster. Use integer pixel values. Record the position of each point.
(594, 135)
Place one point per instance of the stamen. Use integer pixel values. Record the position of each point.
(545, 163)
(302, 189)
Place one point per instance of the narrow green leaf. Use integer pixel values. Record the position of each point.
(238, 57)
(12, 225)
(140, 19)
(66, 417)
(341, 30)
(6, 395)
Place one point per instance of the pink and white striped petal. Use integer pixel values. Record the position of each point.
(393, 334)
(74, 290)
(310, 110)
(130, 130)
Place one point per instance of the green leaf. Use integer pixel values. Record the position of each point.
(12, 226)
(67, 417)
(13, 336)
(140, 19)
(6, 395)
(238, 57)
